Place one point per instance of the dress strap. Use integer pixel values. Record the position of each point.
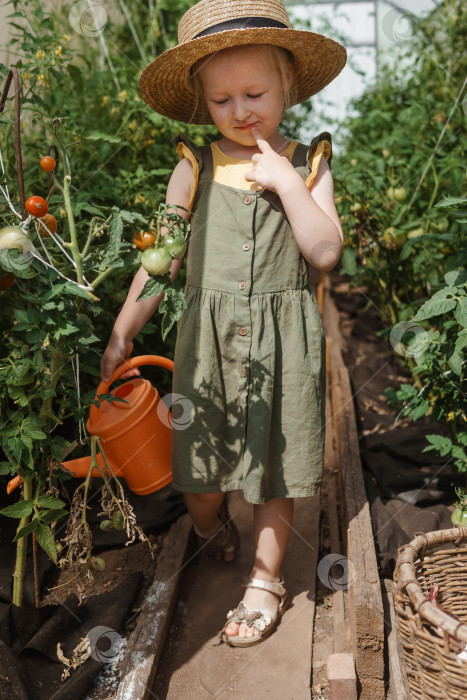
(201, 159)
(320, 146)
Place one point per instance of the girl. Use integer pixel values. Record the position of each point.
(250, 346)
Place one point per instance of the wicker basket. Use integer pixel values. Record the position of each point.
(434, 669)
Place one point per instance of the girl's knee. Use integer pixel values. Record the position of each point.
(203, 497)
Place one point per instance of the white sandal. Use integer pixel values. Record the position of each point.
(262, 620)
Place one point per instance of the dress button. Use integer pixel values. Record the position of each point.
(247, 200)
(242, 285)
(243, 372)
(242, 331)
(246, 246)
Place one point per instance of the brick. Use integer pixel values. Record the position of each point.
(342, 680)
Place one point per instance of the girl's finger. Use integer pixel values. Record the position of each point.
(258, 137)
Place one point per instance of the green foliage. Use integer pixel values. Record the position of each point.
(439, 363)
(122, 152)
(400, 194)
(405, 150)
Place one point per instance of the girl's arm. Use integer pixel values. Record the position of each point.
(313, 217)
(135, 314)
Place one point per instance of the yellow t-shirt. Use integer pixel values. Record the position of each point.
(231, 171)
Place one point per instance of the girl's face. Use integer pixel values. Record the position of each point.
(241, 91)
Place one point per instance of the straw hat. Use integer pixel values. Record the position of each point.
(212, 25)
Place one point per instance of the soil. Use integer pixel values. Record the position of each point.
(119, 563)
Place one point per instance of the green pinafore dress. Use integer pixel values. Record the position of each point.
(249, 365)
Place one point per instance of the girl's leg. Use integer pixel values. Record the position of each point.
(272, 528)
(203, 508)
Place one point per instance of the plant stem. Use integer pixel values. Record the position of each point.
(21, 545)
(415, 377)
(74, 238)
(36, 576)
(101, 277)
(55, 370)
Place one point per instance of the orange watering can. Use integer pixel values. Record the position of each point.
(136, 435)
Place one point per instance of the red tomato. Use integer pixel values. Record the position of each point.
(37, 206)
(144, 239)
(48, 164)
(6, 282)
(51, 222)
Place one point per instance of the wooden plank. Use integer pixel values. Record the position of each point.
(331, 466)
(399, 687)
(147, 639)
(364, 591)
(195, 666)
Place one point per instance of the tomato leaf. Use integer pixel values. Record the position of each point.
(30, 429)
(26, 530)
(132, 216)
(461, 312)
(50, 516)
(75, 75)
(171, 307)
(46, 541)
(154, 286)
(435, 307)
(18, 510)
(115, 232)
(47, 501)
(349, 261)
(7, 469)
(100, 136)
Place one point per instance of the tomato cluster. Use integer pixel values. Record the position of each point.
(157, 259)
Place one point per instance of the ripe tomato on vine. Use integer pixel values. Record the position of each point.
(51, 222)
(48, 164)
(37, 206)
(144, 239)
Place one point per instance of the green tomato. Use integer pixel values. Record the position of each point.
(459, 516)
(97, 564)
(442, 225)
(394, 237)
(105, 525)
(355, 207)
(400, 194)
(416, 233)
(386, 153)
(390, 193)
(14, 237)
(156, 261)
(175, 245)
(118, 522)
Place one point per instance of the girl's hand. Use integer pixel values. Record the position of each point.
(115, 353)
(271, 170)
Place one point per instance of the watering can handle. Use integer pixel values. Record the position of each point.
(131, 363)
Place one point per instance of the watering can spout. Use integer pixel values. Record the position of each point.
(80, 467)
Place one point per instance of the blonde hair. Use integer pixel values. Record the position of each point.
(275, 57)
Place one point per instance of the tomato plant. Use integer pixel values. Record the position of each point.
(37, 206)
